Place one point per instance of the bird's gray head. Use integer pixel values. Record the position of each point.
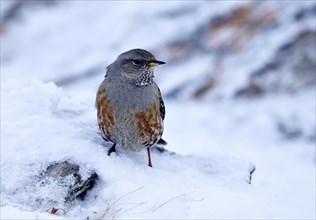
(135, 66)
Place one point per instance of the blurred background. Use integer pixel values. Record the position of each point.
(240, 66)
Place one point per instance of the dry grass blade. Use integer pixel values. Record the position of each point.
(112, 212)
(166, 202)
(55, 210)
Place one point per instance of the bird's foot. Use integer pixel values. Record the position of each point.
(112, 149)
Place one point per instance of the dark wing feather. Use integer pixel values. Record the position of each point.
(162, 142)
(162, 109)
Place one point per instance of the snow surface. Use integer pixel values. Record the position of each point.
(215, 142)
(206, 178)
(42, 115)
(9, 212)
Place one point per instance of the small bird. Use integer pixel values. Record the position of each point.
(130, 108)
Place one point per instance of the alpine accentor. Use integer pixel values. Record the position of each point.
(129, 104)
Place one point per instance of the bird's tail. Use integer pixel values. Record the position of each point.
(162, 142)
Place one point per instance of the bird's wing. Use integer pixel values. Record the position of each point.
(162, 111)
(162, 108)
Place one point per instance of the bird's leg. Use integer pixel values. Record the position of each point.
(149, 158)
(112, 149)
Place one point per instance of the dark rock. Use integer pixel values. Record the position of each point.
(61, 169)
(305, 12)
(253, 90)
(292, 129)
(79, 190)
(208, 85)
(176, 91)
(16, 8)
(291, 69)
(244, 20)
(76, 188)
(289, 131)
(179, 12)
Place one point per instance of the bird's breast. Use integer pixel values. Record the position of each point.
(149, 125)
(129, 117)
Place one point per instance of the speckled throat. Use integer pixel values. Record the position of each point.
(144, 79)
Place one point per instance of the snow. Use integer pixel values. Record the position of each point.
(10, 212)
(208, 174)
(216, 143)
(41, 114)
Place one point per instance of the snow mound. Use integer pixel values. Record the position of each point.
(42, 126)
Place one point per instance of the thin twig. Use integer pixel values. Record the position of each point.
(127, 195)
(133, 207)
(173, 198)
(109, 206)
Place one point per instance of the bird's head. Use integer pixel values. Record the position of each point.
(136, 66)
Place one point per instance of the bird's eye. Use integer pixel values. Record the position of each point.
(136, 62)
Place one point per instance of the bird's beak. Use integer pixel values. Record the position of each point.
(155, 63)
